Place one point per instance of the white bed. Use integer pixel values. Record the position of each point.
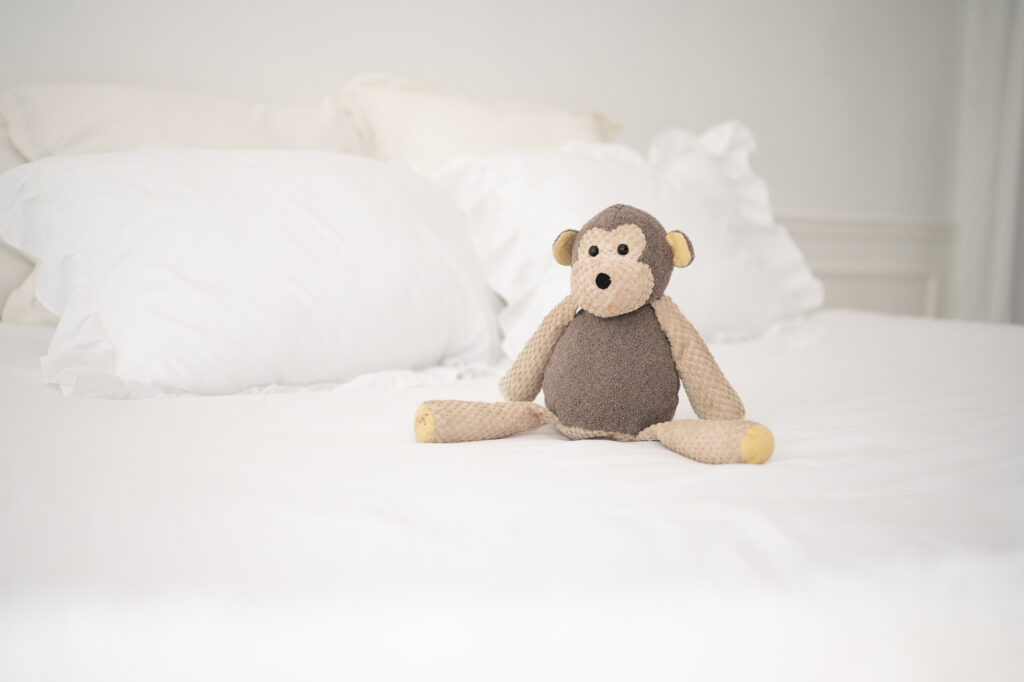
(213, 530)
(305, 535)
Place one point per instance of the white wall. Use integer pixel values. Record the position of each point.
(853, 101)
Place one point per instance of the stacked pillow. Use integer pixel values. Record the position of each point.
(47, 120)
(747, 273)
(212, 272)
(216, 271)
(382, 116)
(401, 120)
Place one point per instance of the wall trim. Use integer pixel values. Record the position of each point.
(882, 228)
(891, 265)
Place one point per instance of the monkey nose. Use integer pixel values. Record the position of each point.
(603, 281)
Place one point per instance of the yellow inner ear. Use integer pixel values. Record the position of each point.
(682, 255)
(562, 248)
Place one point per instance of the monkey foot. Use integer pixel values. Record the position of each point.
(424, 424)
(714, 441)
(757, 445)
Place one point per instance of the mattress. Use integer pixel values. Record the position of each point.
(305, 535)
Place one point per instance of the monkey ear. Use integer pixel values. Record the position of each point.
(562, 248)
(682, 248)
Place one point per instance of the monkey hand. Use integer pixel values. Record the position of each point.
(523, 380)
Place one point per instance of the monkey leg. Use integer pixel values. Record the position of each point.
(714, 441)
(454, 421)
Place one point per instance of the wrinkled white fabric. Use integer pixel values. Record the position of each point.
(213, 272)
(747, 272)
(307, 536)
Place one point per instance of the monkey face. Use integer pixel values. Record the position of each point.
(621, 259)
(608, 278)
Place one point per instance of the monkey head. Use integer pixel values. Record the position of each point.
(621, 259)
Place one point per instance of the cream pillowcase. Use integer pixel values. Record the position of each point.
(48, 120)
(429, 127)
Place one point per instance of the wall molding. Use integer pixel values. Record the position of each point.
(890, 265)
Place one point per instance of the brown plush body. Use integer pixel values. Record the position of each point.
(611, 356)
(612, 373)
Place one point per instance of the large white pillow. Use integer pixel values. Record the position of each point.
(210, 272)
(747, 273)
(46, 120)
(430, 127)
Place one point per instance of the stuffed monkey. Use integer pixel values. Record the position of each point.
(611, 355)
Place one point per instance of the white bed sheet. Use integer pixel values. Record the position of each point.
(305, 535)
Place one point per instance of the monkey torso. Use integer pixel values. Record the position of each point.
(612, 374)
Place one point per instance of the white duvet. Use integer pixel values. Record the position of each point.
(306, 535)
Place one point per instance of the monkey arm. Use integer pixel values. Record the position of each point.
(710, 394)
(523, 380)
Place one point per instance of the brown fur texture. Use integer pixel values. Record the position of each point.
(612, 374)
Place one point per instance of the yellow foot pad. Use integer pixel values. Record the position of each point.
(756, 447)
(424, 424)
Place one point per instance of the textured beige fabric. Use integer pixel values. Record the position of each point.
(524, 379)
(631, 281)
(457, 421)
(580, 433)
(710, 394)
(657, 252)
(703, 440)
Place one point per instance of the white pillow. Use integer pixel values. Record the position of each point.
(429, 127)
(210, 272)
(747, 273)
(46, 120)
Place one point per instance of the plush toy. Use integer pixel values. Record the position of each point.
(610, 357)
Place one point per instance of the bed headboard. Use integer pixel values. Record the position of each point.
(853, 103)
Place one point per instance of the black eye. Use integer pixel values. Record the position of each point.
(623, 249)
(593, 251)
